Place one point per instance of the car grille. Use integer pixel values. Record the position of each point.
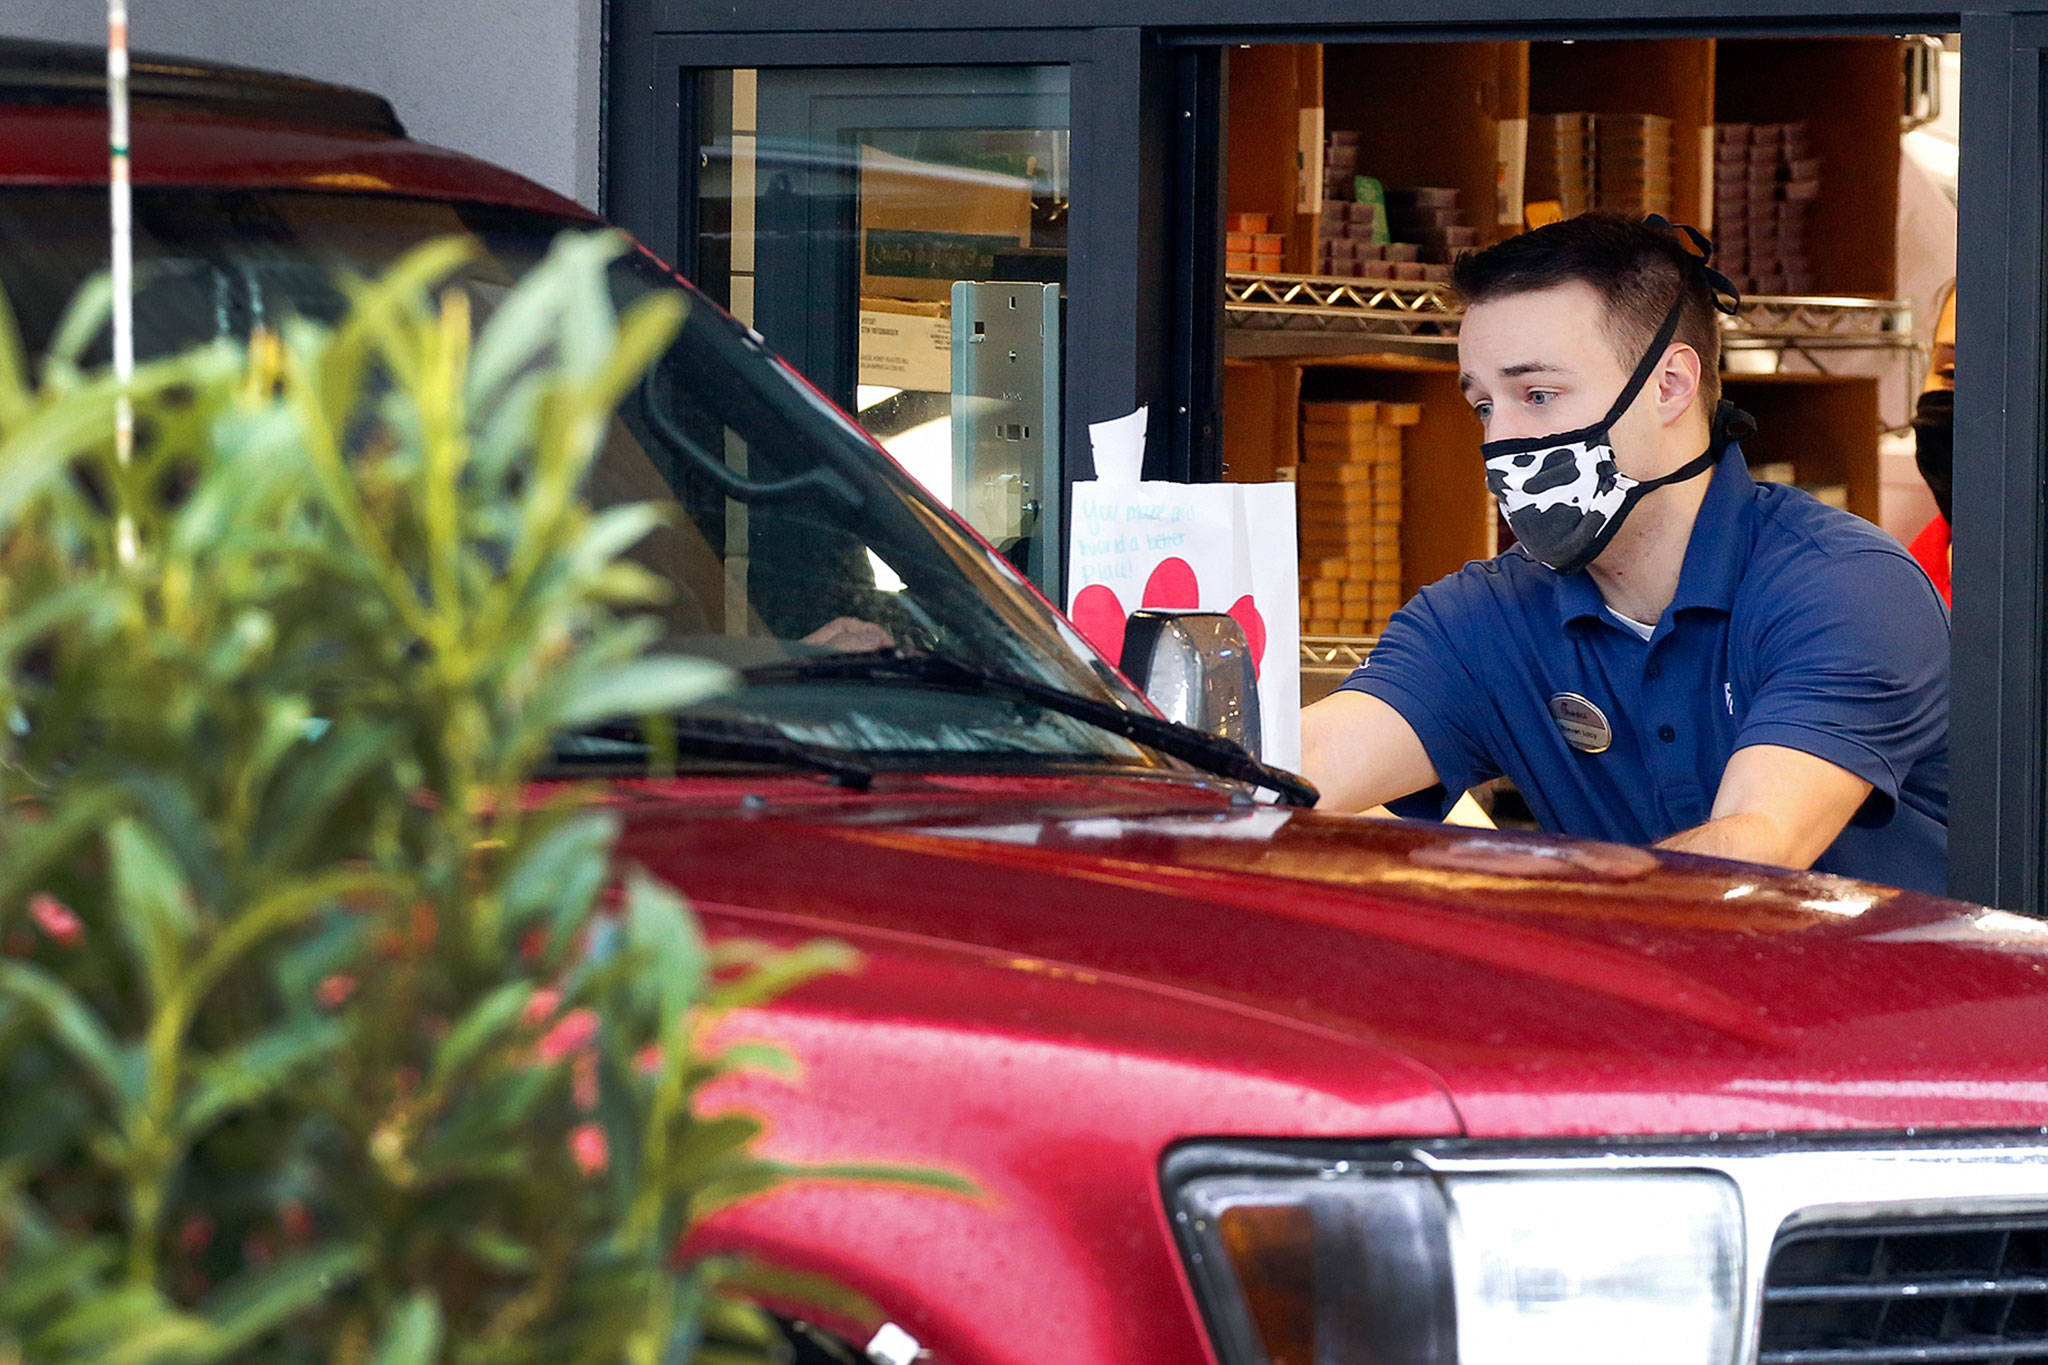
(1951, 1289)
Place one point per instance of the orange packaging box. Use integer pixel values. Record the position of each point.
(1250, 222)
(1367, 413)
(1316, 475)
(1362, 433)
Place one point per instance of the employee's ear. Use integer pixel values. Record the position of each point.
(1678, 382)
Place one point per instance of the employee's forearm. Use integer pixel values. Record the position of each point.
(1360, 753)
(1751, 838)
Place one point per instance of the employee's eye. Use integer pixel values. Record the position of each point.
(1482, 410)
(1539, 398)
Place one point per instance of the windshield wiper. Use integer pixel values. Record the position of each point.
(1211, 753)
(743, 742)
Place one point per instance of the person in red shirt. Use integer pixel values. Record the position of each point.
(1934, 447)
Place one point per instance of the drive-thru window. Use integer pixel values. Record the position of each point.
(984, 239)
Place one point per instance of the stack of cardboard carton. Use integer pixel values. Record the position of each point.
(1765, 179)
(1633, 163)
(1560, 164)
(1252, 246)
(1429, 216)
(1348, 486)
(1351, 234)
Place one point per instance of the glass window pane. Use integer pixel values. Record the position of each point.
(865, 220)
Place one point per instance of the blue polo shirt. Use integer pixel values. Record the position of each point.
(1794, 624)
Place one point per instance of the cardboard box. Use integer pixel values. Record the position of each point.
(1310, 476)
(923, 226)
(1341, 412)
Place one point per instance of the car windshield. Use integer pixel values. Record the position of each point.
(794, 537)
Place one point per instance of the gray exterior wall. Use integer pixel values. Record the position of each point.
(512, 81)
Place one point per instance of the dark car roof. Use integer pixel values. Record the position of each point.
(208, 124)
(73, 74)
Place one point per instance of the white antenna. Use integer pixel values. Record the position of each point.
(123, 251)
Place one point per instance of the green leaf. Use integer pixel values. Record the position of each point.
(731, 1187)
(152, 908)
(756, 1279)
(71, 1023)
(928, 1178)
(586, 326)
(647, 687)
(175, 818)
(116, 1318)
(610, 534)
(68, 1268)
(561, 872)
(317, 782)
(648, 330)
(507, 1255)
(413, 1336)
(83, 319)
(660, 926)
(476, 1030)
(707, 1141)
(752, 1056)
(260, 1301)
(15, 394)
(783, 972)
(240, 1077)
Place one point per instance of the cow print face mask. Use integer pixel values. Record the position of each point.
(1563, 496)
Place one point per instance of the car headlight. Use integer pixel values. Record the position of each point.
(1386, 1263)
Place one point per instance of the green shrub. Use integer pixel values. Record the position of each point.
(318, 1038)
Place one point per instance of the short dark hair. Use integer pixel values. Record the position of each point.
(1637, 269)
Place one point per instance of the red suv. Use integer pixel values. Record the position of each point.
(1239, 1082)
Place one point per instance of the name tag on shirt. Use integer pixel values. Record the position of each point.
(1584, 725)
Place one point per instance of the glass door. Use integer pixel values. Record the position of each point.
(900, 235)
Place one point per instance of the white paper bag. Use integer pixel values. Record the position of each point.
(1225, 547)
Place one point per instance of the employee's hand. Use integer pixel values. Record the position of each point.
(1360, 753)
(1776, 805)
(850, 635)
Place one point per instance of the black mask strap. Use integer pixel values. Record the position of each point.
(1648, 364)
(1698, 250)
(1730, 424)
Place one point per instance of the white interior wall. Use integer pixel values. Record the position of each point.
(512, 81)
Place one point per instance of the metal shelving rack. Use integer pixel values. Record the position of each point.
(1330, 659)
(1314, 315)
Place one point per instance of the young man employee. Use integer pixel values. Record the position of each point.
(1671, 654)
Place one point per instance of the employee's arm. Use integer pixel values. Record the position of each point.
(1777, 806)
(1360, 753)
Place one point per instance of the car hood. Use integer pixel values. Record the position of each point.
(1550, 987)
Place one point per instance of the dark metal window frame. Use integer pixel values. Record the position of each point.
(1144, 327)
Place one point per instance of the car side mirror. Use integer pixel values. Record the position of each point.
(1197, 668)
